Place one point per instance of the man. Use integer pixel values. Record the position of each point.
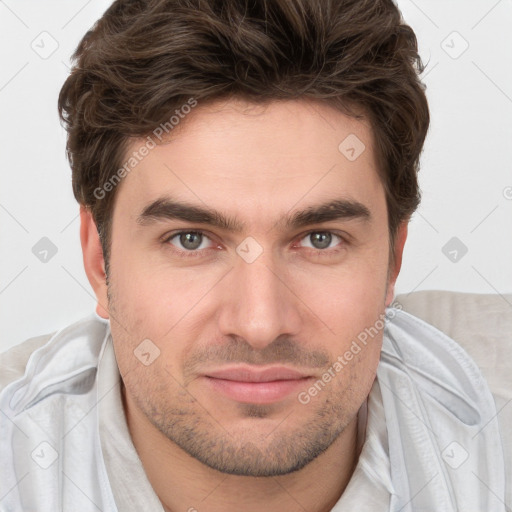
(246, 172)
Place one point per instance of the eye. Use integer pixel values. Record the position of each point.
(188, 241)
(321, 240)
(194, 243)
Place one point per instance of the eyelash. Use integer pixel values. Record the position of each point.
(198, 252)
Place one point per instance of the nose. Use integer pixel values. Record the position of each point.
(260, 304)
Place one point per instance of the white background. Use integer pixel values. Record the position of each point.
(466, 175)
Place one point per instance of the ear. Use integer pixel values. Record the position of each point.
(401, 236)
(94, 263)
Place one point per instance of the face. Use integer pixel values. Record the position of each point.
(224, 321)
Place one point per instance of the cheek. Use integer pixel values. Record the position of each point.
(343, 387)
(351, 304)
(153, 297)
(154, 316)
(347, 301)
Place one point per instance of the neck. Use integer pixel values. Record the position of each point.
(183, 483)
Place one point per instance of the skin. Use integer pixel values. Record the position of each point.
(296, 305)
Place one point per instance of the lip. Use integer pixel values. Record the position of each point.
(244, 384)
(247, 374)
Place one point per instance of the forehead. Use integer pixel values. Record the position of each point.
(256, 160)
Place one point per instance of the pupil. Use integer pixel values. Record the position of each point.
(319, 240)
(323, 238)
(187, 240)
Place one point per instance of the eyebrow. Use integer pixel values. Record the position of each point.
(166, 208)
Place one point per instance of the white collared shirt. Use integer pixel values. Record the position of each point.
(65, 444)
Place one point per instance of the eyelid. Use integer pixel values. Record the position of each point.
(305, 235)
(345, 238)
(169, 236)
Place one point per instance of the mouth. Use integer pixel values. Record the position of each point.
(248, 385)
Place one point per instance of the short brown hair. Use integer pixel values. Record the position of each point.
(143, 59)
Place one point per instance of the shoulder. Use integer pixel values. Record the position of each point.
(49, 392)
(479, 323)
(15, 363)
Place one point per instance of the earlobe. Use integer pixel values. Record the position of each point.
(401, 237)
(94, 263)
